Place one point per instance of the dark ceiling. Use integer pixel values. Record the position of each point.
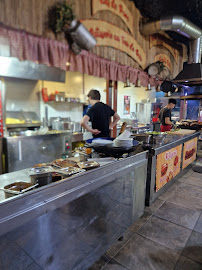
(154, 9)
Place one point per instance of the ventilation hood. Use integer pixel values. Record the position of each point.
(192, 71)
(13, 68)
(191, 75)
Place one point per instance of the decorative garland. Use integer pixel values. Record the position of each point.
(60, 17)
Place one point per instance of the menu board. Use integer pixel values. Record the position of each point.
(168, 166)
(189, 152)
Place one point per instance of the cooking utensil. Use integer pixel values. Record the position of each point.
(142, 137)
(123, 127)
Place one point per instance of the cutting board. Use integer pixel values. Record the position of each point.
(181, 132)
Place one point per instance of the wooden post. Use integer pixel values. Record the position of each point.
(114, 133)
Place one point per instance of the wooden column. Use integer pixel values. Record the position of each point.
(114, 133)
(111, 100)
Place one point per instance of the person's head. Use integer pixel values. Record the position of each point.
(171, 103)
(93, 95)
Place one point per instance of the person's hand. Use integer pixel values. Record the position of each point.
(95, 131)
(110, 127)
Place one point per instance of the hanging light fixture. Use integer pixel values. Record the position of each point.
(127, 83)
(137, 83)
(148, 87)
(158, 89)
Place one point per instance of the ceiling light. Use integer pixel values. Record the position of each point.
(68, 64)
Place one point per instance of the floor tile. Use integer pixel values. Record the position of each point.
(171, 191)
(189, 190)
(196, 181)
(187, 264)
(165, 233)
(12, 257)
(193, 248)
(140, 253)
(179, 215)
(198, 227)
(34, 266)
(140, 222)
(98, 265)
(186, 201)
(198, 175)
(154, 206)
(113, 265)
(65, 255)
(119, 244)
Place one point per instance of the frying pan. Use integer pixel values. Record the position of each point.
(112, 151)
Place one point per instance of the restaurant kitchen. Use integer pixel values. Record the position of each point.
(79, 214)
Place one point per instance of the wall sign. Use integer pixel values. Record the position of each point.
(189, 152)
(165, 59)
(168, 166)
(117, 7)
(110, 35)
(153, 41)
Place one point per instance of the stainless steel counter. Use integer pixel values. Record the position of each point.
(69, 224)
(17, 210)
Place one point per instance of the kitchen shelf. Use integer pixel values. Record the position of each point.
(24, 125)
(64, 102)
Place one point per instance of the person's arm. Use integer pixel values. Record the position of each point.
(84, 123)
(168, 122)
(116, 118)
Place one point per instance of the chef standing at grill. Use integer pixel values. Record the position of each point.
(165, 115)
(99, 115)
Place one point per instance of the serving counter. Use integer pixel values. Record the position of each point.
(69, 224)
(167, 162)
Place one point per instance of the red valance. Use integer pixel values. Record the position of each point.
(50, 52)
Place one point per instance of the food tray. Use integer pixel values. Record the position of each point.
(70, 171)
(88, 165)
(63, 163)
(17, 188)
(43, 170)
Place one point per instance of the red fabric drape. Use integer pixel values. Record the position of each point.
(50, 52)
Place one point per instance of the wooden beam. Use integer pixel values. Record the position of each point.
(191, 97)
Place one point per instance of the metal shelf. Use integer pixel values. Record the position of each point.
(63, 102)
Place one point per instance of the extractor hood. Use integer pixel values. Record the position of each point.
(13, 68)
(190, 75)
(192, 72)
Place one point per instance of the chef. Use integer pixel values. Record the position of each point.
(165, 115)
(99, 115)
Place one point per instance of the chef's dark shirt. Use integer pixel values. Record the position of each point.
(100, 114)
(165, 112)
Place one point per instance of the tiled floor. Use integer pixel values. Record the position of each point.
(168, 236)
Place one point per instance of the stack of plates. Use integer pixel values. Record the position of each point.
(101, 142)
(123, 143)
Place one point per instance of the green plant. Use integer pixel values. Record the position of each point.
(60, 17)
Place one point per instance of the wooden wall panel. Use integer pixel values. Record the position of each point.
(31, 16)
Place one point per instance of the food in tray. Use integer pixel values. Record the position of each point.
(56, 177)
(88, 165)
(70, 171)
(64, 163)
(14, 121)
(40, 165)
(154, 133)
(164, 169)
(18, 186)
(190, 153)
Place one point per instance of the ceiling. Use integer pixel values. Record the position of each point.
(190, 9)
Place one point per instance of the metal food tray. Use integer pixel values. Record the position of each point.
(88, 165)
(69, 171)
(41, 170)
